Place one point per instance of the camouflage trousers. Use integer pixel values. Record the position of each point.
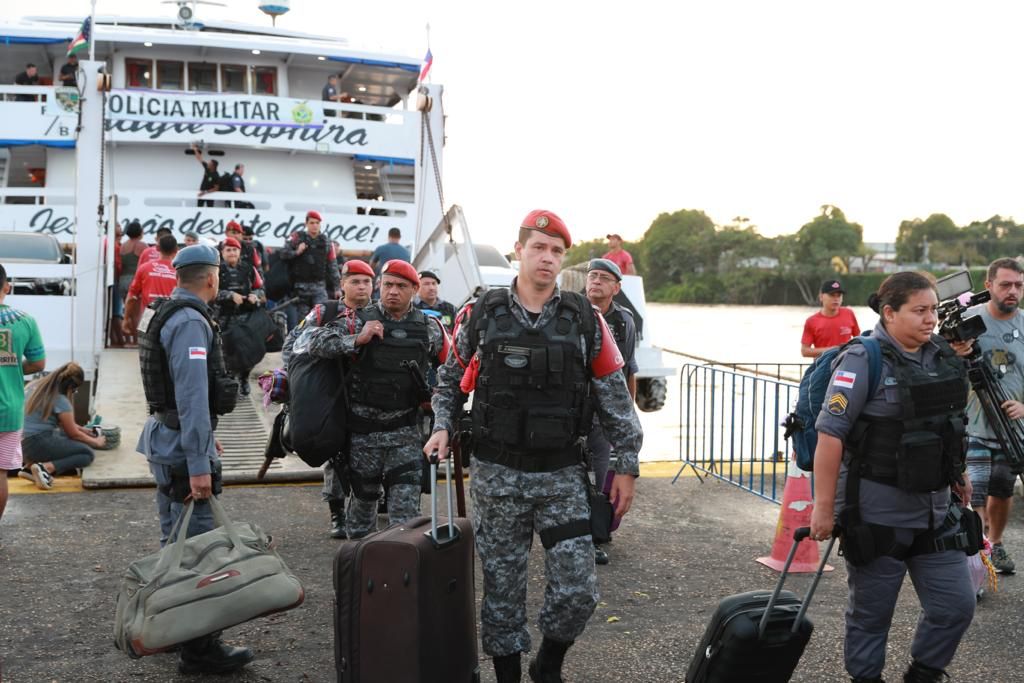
(393, 458)
(333, 490)
(309, 294)
(508, 507)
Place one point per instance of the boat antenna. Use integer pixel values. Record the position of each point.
(428, 51)
(92, 30)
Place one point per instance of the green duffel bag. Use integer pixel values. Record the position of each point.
(201, 585)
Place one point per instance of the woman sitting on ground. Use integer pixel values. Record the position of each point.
(52, 451)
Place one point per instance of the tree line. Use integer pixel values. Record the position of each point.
(686, 258)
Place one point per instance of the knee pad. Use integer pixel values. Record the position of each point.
(410, 474)
(366, 488)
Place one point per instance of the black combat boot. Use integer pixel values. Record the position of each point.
(919, 673)
(866, 680)
(337, 518)
(209, 655)
(508, 668)
(547, 667)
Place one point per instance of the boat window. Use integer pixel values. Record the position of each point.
(202, 77)
(264, 81)
(232, 78)
(138, 73)
(170, 75)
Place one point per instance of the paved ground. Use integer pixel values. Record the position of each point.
(683, 548)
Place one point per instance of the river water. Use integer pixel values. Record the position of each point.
(730, 335)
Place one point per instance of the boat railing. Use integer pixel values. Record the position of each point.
(781, 371)
(730, 425)
(39, 93)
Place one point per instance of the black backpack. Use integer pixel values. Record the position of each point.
(225, 184)
(317, 405)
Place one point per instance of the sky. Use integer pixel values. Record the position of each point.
(612, 113)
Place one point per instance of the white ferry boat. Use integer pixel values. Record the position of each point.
(117, 147)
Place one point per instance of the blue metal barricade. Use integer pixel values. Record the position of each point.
(730, 427)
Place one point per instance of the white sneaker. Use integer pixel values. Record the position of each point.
(25, 474)
(43, 479)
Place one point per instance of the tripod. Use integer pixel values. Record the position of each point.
(1009, 432)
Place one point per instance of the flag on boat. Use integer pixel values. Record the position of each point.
(81, 41)
(428, 60)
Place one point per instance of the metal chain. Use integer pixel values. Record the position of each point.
(433, 159)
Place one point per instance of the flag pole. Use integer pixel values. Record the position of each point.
(429, 77)
(92, 32)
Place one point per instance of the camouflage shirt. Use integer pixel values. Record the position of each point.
(613, 404)
(334, 340)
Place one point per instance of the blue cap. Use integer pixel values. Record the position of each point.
(605, 265)
(197, 255)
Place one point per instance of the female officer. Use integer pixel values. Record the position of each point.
(883, 467)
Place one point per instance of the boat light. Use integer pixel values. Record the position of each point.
(362, 88)
(322, 59)
(255, 52)
(368, 167)
(148, 44)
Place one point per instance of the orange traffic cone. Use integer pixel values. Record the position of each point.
(797, 504)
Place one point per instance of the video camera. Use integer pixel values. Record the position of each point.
(952, 325)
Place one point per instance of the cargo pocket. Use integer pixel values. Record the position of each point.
(502, 425)
(919, 467)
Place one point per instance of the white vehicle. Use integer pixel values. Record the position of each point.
(123, 138)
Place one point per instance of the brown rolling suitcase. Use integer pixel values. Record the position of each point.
(404, 607)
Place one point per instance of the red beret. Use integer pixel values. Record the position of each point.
(231, 242)
(402, 269)
(232, 225)
(314, 215)
(548, 223)
(356, 267)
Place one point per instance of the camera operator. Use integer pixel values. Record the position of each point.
(1002, 347)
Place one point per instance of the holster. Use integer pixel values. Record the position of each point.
(225, 394)
(180, 487)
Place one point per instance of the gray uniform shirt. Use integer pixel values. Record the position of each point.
(1002, 347)
(879, 503)
(187, 338)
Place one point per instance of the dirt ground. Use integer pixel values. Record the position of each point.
(682, 548)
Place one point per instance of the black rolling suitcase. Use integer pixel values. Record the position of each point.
(405, 610)
(757, 637)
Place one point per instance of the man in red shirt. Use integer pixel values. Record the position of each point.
(619, 256)
(153, 279)
(832, 326)
(152, 253)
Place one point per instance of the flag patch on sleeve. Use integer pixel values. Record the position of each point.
(844, 379)
(197, 353)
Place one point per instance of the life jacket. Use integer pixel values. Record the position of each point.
(382, 375)
(156, 372)
(311, 265)
(923, 450)
(531, 401)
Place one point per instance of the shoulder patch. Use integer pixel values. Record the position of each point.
(837, 404)
(197, 353)
(844, 379)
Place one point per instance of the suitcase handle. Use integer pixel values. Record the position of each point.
(451, 532)
(798, 535)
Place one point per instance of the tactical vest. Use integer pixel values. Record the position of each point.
(616, 319)
(924, 449)
(531, 401)
(382, 376)
(156, 371)
(311, 265)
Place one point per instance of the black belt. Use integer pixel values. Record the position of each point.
(169, 418)
(543, 461)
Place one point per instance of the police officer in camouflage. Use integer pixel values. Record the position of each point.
(312, 267)
(389, 347)
(187, 386)
(604, 282)
(539, 359)
(884, 468)
(356, 287)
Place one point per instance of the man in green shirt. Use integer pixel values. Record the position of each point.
(21, 353)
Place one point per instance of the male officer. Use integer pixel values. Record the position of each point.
(186, 387)
(239, 293)
(604, 281)
(1002, 347)
(428, 300)
(539, 358)
(312, 266)
(390, 345)
(356, 287)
